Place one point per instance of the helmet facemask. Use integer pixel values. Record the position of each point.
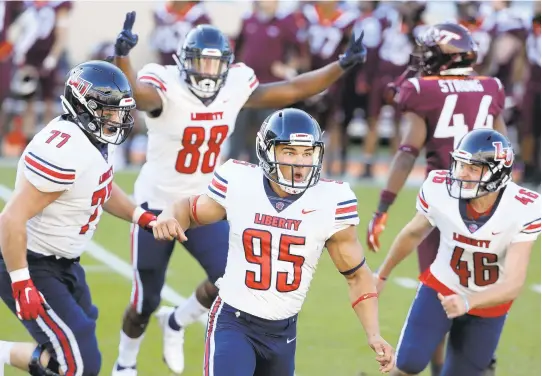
(267, 154)
(205, 71)
(105, 123)
(492, 177)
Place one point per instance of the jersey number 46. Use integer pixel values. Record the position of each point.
(485, 268)
(188, 158)
(251, 237)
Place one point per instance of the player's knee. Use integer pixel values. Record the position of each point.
(150, 304)
(133, 319)
(206, 293)
(410, 361)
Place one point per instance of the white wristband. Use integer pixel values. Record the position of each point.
(466, 300)
(138, 212)
(19, 275)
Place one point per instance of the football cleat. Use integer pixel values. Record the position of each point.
(173, 341)
(119, 370)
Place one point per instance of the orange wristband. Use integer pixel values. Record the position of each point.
(364, 297)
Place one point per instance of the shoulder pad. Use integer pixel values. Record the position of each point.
(155, 75)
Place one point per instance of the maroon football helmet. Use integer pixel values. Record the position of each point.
(446, 49)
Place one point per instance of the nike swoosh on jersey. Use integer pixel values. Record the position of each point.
(288, 340)
(307, 211)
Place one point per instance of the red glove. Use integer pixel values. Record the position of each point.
(376, 226)
(29, 302)
(144, 219)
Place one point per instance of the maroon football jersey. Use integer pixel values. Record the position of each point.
(46, 13)
(262, 42)
(171, 28)
(451, 106)
(327, 36)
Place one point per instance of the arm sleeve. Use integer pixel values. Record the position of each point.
(530, 230)
(154, 75)
(48, 167)
(408, 97)
(218, 187)
(245, 76)
(346, 210)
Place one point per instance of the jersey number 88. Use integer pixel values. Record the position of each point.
(188, 158)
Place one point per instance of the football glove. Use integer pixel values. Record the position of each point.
(375, 228)
(355, 53)
(126, 39)
(29, 302)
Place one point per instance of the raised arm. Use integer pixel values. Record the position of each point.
(146, 96)
(347, 254)
(284, 93)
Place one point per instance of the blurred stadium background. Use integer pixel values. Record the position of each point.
(41, 40)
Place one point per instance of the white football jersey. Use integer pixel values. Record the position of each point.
(62, 158)
(274, 248)
(185, 140)
(471, 257)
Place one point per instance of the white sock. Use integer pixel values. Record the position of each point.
(5, 352)
(189, 312)
(128, 350)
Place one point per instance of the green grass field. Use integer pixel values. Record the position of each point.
(330, 340)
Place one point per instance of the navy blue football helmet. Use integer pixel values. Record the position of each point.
(293, 127)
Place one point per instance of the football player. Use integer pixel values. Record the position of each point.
(173, 20)
(441, 106)
(64, 183)
(529, 127)
(327, 28)
(281, 217)
(191, 109)
(44, 41)
(482, 261)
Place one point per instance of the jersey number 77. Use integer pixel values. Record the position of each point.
(188, 158)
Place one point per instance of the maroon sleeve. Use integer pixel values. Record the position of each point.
(408, 98)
